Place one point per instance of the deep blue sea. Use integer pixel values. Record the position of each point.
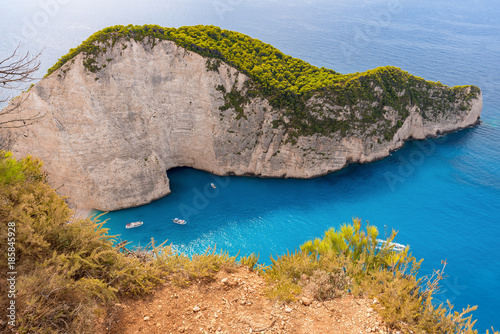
(442, 195)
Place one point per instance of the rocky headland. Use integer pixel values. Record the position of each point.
(121, 112)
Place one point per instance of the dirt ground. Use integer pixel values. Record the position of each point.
(235, 303)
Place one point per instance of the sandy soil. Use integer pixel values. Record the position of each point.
(235, 303)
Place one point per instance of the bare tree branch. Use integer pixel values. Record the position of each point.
(15, 71)
(8, 120)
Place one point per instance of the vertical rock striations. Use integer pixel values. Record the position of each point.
(109, 136)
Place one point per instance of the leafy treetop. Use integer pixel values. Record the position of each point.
(288, 82)
(263, 62)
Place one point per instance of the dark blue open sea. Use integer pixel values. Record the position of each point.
(442, 195)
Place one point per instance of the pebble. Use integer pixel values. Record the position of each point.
(306, 301)
(196, 308)
(288, 310)
(146, 318)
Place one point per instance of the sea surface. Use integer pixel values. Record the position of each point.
(442, 195)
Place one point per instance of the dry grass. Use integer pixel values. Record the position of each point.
(352, 259)
(71, 270)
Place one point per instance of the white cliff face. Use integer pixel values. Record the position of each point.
(108, 138)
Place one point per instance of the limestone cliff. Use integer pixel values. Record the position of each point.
(108, 137)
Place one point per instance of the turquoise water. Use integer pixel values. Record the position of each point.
(442, 195)
(443, 206)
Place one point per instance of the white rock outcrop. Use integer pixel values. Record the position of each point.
(108, 138)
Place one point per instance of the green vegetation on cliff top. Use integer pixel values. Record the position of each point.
(288, 83)
(262, 62)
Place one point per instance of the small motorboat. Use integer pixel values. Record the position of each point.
(133, 224)
(213, 185)
(393, 245)
(179, 221)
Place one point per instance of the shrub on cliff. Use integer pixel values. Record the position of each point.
(288, 83)
(353, 259)
(69, 269)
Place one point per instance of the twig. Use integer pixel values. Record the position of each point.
(264, 328)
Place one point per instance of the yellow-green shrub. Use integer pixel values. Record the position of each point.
(370, 268)
(68, 268)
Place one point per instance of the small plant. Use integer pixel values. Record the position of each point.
(285, 273)
(326, 285)
(182, 270)
(213, 64)
(250, 260)
(285, 290)
(233, 99)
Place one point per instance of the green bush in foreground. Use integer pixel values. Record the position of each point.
(70, 269)
(353, 259)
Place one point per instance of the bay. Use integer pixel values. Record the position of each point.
(442, 195)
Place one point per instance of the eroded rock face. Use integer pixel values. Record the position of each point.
(108, 138)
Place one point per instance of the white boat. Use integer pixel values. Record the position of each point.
(213, 185)
(133, 224)
(394, 245)
(179, 221)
